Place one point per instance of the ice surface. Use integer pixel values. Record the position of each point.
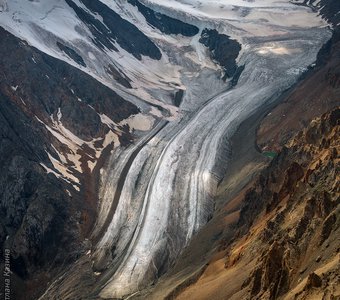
(169, 175)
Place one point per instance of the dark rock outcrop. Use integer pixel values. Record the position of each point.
(119, 76)
(313, 281)
(115, 29)
(272, 274)
(72, 54)
(163, 22)
(223, 50)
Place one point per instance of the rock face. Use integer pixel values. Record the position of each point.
(298, 199)
(115, 28)
(286, 238)
(72, 54)
(42, 206)
(217, 44)
(165, 23)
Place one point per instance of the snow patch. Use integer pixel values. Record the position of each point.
(62, 169)
(277, 50)
(49, 170)
(156, 112)
(139, 122)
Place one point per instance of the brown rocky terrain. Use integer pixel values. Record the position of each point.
(286, 232)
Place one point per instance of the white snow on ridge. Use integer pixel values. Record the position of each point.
(240, 18)
(276, 12)
(44, 23)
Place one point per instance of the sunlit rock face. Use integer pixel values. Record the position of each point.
(227, 59)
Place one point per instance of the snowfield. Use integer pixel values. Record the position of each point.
(164, 184)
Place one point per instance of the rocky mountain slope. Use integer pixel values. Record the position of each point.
(286, 237)
(45, 213)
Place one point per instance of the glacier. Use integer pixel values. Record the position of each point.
(158, 192)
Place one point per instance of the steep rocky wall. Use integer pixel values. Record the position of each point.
(297, 199)
(285, 244)
(43, 216)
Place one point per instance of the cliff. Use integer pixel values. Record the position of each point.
(285, 243)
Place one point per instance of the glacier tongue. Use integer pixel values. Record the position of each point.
(156, 194)
(181, 178)
(169, 189)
